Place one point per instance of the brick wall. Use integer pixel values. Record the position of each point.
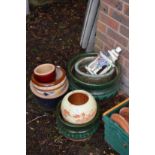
(113, 30)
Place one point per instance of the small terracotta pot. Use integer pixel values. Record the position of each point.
(124, 112)
(60, 76)
(78, 107)
(120, 121)
(45, 73)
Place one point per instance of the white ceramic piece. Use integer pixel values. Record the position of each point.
(78, 107)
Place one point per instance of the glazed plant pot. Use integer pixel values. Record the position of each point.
(82, 74)
(99, 91)
(45, 73)
(53, 93)
(78, 107)
(77, 127)
(76, 132)
(50, 94)
(60, 77)
(49, 101)
(48, 104)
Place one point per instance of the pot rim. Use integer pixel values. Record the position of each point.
(78, 91)
(44, 65)
(89, 75)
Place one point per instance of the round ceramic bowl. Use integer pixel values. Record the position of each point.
(48, 102)
(82, 74)
(45, 73)
(78, 107)
(50, 94)
(101, 91)
(60, 76)
(76, 132)
(51, 88)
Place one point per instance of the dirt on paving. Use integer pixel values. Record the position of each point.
(53, 36)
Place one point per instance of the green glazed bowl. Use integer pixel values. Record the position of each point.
(100, 91)
(98, 94)
(82, 74)
(75, 131)
(85, 85)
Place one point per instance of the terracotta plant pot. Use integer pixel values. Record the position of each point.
(82, 74)
(45, 73)
(76, 132)
(78, 107)
(120, 121)
(124, 112)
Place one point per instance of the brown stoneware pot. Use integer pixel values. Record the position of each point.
(60, 76)
(45, 73)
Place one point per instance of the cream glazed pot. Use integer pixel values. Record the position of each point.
(78, 107)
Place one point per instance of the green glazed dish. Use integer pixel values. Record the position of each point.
(82, 74)
(75, 131)
(100, 91)
(71, 74)
(79, 135)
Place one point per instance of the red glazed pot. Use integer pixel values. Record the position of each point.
(45, 73)
(60, 76)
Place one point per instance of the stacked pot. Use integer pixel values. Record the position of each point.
(100, 86)
(49, 84)
(78, 115)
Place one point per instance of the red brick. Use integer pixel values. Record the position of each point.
(117, 37)
(99, 43)
(117, 4)
(106, 47)
(119, 17)
(109, 21)
(107, 40)
(126, 9)
(104, 8)
(127, 1)
(99, 35)
(124, 30)
(125, 53)
(100, 26)
(97, 48)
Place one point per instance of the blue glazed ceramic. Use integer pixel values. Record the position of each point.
(48, 103)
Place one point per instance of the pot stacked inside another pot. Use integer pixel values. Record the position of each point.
(49, 84)
(78, 115)
(97, 75)
(122, 118)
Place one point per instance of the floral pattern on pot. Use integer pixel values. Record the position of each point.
(78, 107)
